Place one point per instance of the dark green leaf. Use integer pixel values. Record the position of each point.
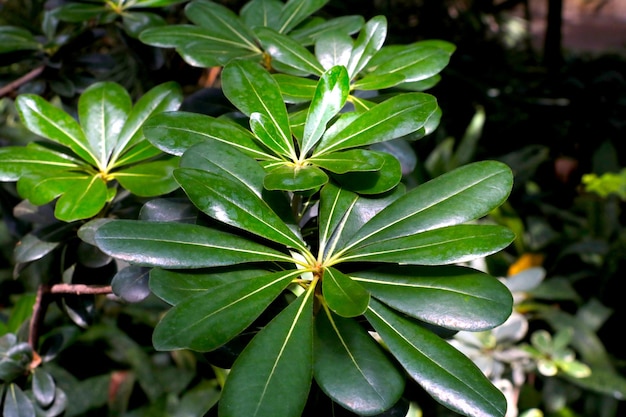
(40, 242)
(227, 201)
(378, 82)
(77, 12)
(136, 22)
(48, 121)
(462, 195)
(446, 245)
(14, 38)
(295, 89)
(306, 34)
(344, 296)
(287, 178)
(453, 297)
(176, 286)
(352, 369)
(207, 53)
(16, 403)
(295, 11)
(352, 160)
(269, 135)
(131, 284)
(209, 319)
(373, 182)
(329, 98)
(178, 245)
(163, 97)
(16, 161)
(138, 153)
(223, 23)
(149, 179)
(393, 118)
(169, 210)
(369, 41)
(272, 376)
(262, 13)
(445, 373)
(44, 388)
(155, 3)
(288, 52)
(103, 109)
(175, 132)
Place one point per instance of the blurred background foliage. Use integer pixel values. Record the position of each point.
(557, 116)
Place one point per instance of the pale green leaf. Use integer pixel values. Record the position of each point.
(369, 41)
(333, 48)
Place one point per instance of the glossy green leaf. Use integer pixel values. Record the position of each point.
(378, 82)
(393, 118)
(138, 153)
(14, 38)
(307, 33)
(444, 372)
(80, 12)
(174, 286)
(295, 89)
(229, 202)
(131, 283)
(163, 97)
(453, 297)
(464, 194)
(102, 110)
(174, 209)
(329, 98)
(207, 320)
(253, 90)
(350, 161)
(295, 11)
(175, 132)
(333, 48)
(155, 3)
(42, 188)
(416, 62)
(373, 182)
(176, 36)
(44, 387)
(288, 52)
(207, 54)
(344, 296)
(224, 24)
(149, 179)
(352, 369)
(269, 135)
(369, 41)
(262, 13)
(33, 158)
(286, 178)
(277, 360)
(336, 204)
(41, 241)
(178, 245)
(446, 245)
(46, 120)
(16, 403)
(136, 22)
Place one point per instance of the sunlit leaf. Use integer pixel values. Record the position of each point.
(333, 48)
(288, 178)
(369, 41)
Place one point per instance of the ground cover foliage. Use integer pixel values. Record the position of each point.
(357, 209)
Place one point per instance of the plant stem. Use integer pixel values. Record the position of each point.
(5, 90)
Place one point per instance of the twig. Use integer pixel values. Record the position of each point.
(20, 81)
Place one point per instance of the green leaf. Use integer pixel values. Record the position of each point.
(209, 319)
(329, 98)
(155, 3)
(44, 388)
(138, 153)
(175, 286)
(207, 54)
(46, 120)
(253, 90)
(261, 13)
(131, 284)
(453, 297)
(393, 118)
(344, 296)
(41, 241)
(372, 182)
(369, 41)
(350, 161)
(175, 132)
(296, 11)
(136, 22)
(77, 12)
(287, 178)
(162, 98)
(16, 161)
(177, 245)
(378, 82)
(269, 135)
(272, 376)
(462, 195)
(288, 52)
(229, 202)
(352, 369)
(445, 373)
(333, 48)
(446, 245)
(14, 38)
(102, 110)
(295, 89)
(307, 33)
(16, 403)
(149, 179)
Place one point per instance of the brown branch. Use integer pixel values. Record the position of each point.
(43, 299)
(13, 85)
